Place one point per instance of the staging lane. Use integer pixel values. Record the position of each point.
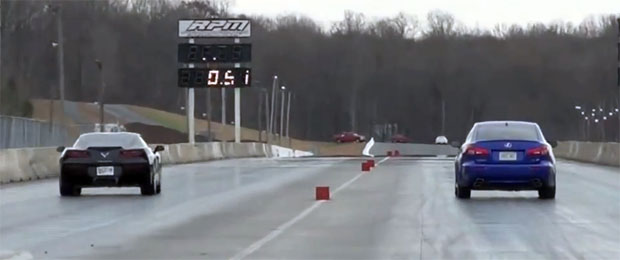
(403, 209)
(34, 218)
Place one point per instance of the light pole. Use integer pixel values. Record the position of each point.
(57, 10)
(283, 88)
(578, 108)
(1, 29)
(101, 95)
(596, 121)
(618, 72)
(288, 119)
(443, 116)
(267, 115)
(273, 105)
(260, 118)
(587, 128)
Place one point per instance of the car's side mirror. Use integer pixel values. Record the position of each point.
(553, 143)
(455, 144)
(60, 149)
(159, 148)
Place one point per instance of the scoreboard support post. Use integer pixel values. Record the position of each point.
(237, 106)
(190, 115)
(223, 92)
(190, 110)
(237, 115)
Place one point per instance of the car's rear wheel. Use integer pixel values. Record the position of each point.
(68, 189)
(150, 187)
(546, 193)
(158, 188)
(462, 192)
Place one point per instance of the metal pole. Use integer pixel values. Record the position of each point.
(260, 116)
(583, 129)
(1, 81)
(267, 115)
(274, 128)
(273, 105)
(588, 130)
(603, 137)
(237, 115)
(190, 109)
(51, 119)
(282, 116)
(223, 106)
(237, 107)
(618, 72)
(190, 115)
(209, 114)
(443, 117)
(101, 95)
(101, 108)
(61, 64)
(288, 118)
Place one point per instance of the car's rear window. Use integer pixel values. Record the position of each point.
(126, 141)
(489, 132)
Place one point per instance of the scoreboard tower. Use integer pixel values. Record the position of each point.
(211, 55)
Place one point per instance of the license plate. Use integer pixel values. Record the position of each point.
(507, 156)
(105, 171)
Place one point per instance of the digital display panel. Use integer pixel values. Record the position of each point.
(215, 78)
(214, 53)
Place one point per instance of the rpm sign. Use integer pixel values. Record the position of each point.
(215, 78)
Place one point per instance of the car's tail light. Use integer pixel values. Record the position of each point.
(538, 151)
(137, 153)
(76, 154)
(476, 151)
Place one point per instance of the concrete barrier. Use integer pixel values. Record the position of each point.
(599, 153)
(36, 163)
(28, 164)
(381, 149)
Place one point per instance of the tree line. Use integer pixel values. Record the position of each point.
(355, 75)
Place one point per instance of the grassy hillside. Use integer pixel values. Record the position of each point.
(90, 113)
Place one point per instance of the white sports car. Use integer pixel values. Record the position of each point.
(110, 160)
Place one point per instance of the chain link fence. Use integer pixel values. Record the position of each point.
(17, 132)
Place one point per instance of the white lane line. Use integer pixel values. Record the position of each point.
(279, 230)
(384, 159)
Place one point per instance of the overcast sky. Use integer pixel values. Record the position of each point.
(485, 13)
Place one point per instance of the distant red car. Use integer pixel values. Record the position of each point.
(400, 139)
(349, 137)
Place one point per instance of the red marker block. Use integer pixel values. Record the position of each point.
(371, 163)
(322, 193)
(396, 153)
(389, 153)
(365, 167)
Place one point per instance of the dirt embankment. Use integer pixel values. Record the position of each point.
(172, 129)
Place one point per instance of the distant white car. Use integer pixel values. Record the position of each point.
(441, 140)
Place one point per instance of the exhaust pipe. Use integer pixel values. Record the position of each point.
(478, 182)
(537, 183)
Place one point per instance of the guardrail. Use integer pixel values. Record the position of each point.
(599, 153)
(37, 163)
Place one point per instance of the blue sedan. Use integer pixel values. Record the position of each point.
(505, 155)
